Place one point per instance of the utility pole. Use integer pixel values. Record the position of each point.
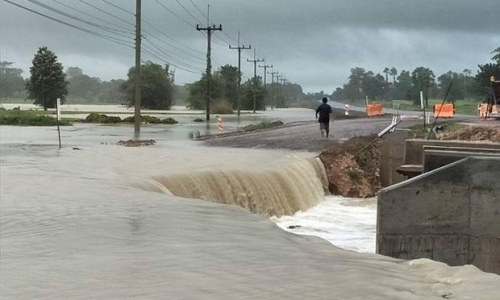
(278, 79)
(137, 111)
(254, 61)
(209, 30)
(272, 88)
(265, 72)
(239, 48)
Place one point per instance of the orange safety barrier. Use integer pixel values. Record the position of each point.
(483, 110)
(374, 109)
(444, 110)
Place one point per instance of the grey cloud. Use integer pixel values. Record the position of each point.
(313, 43)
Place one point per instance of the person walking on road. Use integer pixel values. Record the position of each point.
(324, 111)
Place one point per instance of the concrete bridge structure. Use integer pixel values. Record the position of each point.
(450, 212)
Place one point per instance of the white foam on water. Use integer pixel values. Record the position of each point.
(348, 223)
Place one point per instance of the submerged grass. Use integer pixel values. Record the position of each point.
(27, 118)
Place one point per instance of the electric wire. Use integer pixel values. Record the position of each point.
(120, 8)
(166, 54)
(197, 8)
(57, 11)
(103, 36)
(128, 30)
(186, 10)
(107, 13)
(151, 52)
(157, 30)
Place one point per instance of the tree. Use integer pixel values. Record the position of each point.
(496, 57)
(457, 92)
(11, 81)
(112, 91)
(403, 87)
(48, 81)
(254, 85)
(393, 72)
(156, 85)
(83, 86)
(483, 84)
(386, 72)
(374, 86)
(228, 81)
(423, 79)
(353, 87)
(223, 88)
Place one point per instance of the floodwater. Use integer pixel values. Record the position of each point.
(95, 220)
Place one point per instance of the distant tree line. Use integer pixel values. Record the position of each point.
(406, 85)
(224, 92)
(48, 81)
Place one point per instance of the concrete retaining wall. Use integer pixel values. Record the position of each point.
(451, 214)
(392, 157)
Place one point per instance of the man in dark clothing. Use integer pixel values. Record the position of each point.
(324, 111)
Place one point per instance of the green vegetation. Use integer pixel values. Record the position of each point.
(262, 125)
(27, 118)
(406, 85)
(48, 81)
(419, 131)
(156, 86)
(466, 107)
(101, 118)
(221, 107)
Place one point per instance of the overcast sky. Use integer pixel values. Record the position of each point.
(313, 43)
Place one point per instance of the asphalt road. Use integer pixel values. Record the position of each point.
(305, 136)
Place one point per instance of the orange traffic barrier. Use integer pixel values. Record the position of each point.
(374, 109)
(483, 110)
(444, 110)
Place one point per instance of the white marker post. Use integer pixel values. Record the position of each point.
(422, 105)
(58, 111)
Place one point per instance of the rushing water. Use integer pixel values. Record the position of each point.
(95, 220)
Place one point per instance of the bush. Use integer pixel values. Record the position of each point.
(169, 121)
(151, 120)
(98, 118)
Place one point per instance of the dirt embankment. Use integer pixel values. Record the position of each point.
(352, 173)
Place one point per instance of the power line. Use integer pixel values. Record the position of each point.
(105, 28)
(166, 54)
(197, 8)
(106, 37)
(92, 16)
(120, 8)
(179, 49)
(107, 13)
(150, 52)
(161, 32)
(185, 9)
(180, 18)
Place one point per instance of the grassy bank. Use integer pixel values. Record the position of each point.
(27, 118)
(465, 107)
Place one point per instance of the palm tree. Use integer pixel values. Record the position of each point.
(394, 73)
(386, 71)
